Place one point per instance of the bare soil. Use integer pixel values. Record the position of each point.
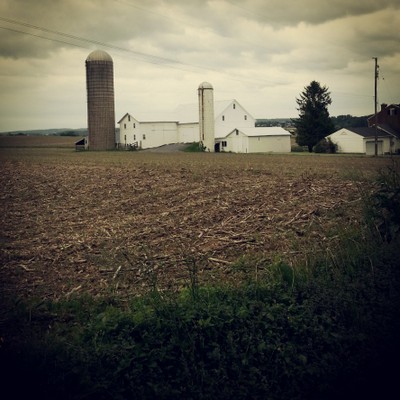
(119, 222)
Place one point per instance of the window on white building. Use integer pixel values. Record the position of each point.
(144, 137)
(124, 126)
(234, 105)
(223, 118)
(224, 143)
(134, 137)
(129, 118)
(245, 117)
(134, 125)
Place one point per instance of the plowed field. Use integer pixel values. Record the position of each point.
(77, 222)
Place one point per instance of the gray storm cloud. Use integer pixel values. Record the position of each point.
(266, 51)
(178, 26)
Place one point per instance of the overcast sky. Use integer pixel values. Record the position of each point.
(260, 52)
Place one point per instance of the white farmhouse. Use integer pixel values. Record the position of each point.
(362, 140)
(234, 130)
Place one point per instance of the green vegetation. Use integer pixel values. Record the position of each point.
(326, 328)
(195, 147)
(298, 149)
(349, 121)
(325, 146)
(71, 133)
(314, 122)
(284, 122)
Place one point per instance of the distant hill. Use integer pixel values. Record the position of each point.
(37, 141)
(348, 121)
(49, 132)
(341, 121)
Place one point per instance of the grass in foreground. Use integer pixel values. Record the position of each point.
(327, 329)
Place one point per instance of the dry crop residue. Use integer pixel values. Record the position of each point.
(74, 227)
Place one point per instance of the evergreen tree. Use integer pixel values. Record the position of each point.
(314, 122)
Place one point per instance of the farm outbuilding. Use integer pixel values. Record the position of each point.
(235, 132)
(362, 140)
(81, 144)
(255, 140)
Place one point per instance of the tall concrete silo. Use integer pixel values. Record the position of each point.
(100, 100)
(206, 115)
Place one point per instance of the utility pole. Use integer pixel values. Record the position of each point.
(376, 104)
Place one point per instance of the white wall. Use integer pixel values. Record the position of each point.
(348, 141)
(267, 144)
(396, 145)
(386, 145)
(232, 117)
(236, 142)
(155, 134)
(188, 133)
(256, 140)
(129, 131)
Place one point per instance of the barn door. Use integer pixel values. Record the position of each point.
(370, 148)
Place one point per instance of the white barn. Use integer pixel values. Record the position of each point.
(362, 140)
(235, 130)
(145, 134)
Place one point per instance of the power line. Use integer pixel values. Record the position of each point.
(43, 37)
(149, 58)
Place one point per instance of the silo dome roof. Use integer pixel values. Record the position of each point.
(99, 55)
(205, 85)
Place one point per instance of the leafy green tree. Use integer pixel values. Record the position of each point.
(314, 122)
(348, 121)
(325, 146)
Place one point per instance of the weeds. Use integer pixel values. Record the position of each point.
(385, 207)
(195, 147)
(328, 330)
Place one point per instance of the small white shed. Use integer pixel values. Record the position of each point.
(255, 140)
(362, 140)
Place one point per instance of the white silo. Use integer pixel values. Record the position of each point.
(100, 100)
(206, 116)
